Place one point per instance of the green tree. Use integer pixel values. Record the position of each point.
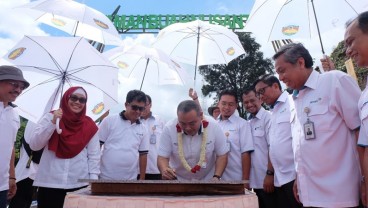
(338, 57)
(239, 74)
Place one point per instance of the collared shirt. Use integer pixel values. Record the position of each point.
(155, 126)
(363, 115)
(123, 141)
(21, 170)
(260, 125)
(54, 172)
(215, 146)
(280, 151)
(328, 163)
(238, 132)
(9, 125)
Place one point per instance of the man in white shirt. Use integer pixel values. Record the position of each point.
(125, 141)
(281, 161)
(238, 138)
(155, 126)
(260, 122)
(192, 148)
(356, 43)
(12, 83)
(326, 160)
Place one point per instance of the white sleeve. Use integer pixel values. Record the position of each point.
(165, 147)
(93, 155)
(103, 129)
(42, 133)
(246, 139)
(220, 140)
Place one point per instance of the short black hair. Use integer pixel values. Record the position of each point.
(292, 52)
(229, 92)
(211, 109)
(148, 99)
(187, 106)
(136, 95)
(269, 80)
(249, 89)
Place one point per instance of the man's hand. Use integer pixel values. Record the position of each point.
(12, 188)
(327, 64)
(268, 185)
(193, 94)
(363, 194)
(169, 174)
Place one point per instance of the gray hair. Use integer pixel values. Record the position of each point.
(292, 52)
(187, 106)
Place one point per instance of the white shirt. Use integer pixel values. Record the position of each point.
(155, 126)
(122, 143)
(215, 146)
(21, 170)
(280, 151)
(363, 115)
(238, 132)
(327, 167)
(54, 172)
(260, 125)
(9, 125)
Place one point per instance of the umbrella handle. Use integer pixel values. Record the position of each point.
(58, 129)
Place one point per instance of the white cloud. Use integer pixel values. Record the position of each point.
(15, 24)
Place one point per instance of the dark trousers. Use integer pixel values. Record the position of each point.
(52, 197)
(23, 197)
(3, 198)
(151, 176)
(285, 196)
(266, 200)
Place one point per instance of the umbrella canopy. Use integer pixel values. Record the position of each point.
(53, 64)
(286, 19)
(147, 63)
(74, 18)
(199, 43)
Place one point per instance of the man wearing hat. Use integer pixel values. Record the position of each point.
(12, 84)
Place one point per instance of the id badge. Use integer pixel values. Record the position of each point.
(228, 145)
(309, 131)
(153, 139)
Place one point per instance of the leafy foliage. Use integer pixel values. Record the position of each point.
(239, 74)
(338, 57)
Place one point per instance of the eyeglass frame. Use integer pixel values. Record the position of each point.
(137, 107)
(16, 85)
(261, 91)
(75, 98)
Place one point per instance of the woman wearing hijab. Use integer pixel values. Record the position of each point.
(69, 156)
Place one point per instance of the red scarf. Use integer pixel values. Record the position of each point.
(78, 130)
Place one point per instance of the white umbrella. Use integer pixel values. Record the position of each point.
(286, 19)
(199, 43)
(74, 18)
(53, 64)
(147, 63)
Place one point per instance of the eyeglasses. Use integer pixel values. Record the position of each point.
(16, 85)
(261, 91)
(74, 99)
(136, 107)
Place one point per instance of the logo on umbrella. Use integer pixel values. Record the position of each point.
(98, 108)
(290, 30)
(58, 22)
(16, 53)
(101, 24)
(122, 65)
(230, 51)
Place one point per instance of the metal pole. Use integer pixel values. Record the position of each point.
(144, 73)
(319, 33)
(195, 71)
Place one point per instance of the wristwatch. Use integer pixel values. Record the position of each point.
(270, 172)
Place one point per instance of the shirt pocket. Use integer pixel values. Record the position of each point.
(318, 116)
(258, 133)
(283, 119)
